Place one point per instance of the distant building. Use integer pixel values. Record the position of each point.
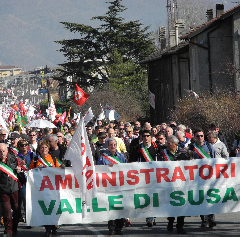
(7, 71)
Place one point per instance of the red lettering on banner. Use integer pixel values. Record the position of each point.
(191, 172)
(106, 178)
(147, 174)
(88, 174)
(76, 182)
(132, 176)
(88, 163)
(121, 178)
(90, 185)
(160, 175)
(46, 183)
(83, 146)
(221, 168)
(209, 167)
(97, 180)
(68, 179)
(178, 174)
(233, 170)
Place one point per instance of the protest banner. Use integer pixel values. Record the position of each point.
(135, 190)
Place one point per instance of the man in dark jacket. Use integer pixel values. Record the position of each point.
(10, 175)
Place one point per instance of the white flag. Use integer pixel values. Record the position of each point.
(111, 114)
(52, 110)
(88, 116)
(3, 123)
(80, 155)
(101, 116)
(192, 93)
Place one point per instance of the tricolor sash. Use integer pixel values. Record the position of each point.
(59, 162)
(20, 160)
(145, 153)
(14, 150)
(167, 156)
(44, 162)
(6, 169)
(112, 158)
(200, 151)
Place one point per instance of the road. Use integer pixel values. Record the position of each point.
(227, 224)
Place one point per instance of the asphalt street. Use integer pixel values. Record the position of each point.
(227, 224)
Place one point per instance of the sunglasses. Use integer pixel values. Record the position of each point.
(59, 136)
(199, 136)
(32, 135)
(3, 134)
(146, 135)
(22, 145)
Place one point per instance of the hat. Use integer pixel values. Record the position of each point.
(57, 116)
(102, 134)
(14, 135)
(129, 129)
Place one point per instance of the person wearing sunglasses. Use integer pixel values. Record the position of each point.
(147, 151)
(24, 158)
(203, 150)
(3, 135)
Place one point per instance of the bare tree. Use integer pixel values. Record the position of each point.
(193, 12)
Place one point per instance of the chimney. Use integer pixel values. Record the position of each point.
(209, 14)
(219, 9)
(162, 37)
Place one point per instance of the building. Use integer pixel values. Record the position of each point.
(206, 60)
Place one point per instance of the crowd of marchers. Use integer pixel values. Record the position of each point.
(111, 143)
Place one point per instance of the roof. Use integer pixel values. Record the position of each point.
(160, 54)
(210, 23)
(8, 67)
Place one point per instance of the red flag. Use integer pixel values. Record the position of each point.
(10, 116)
(80, 96)
(40, 113)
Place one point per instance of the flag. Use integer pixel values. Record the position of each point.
(3, 123)
(192, 93)
(15, 107)
(62, 117)
(22, 108)
(52, 110)
(88, 116)
(111, 114)
(68, 116)
(80, 155)
(39, 110)
(59, 111)
(101, 116)
(76, 117)
(80, 96)
(22, 121)
(10, 117)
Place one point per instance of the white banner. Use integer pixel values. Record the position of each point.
(136, 190)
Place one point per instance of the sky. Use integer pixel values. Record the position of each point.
(30, 27)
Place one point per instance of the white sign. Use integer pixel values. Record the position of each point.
(135, 190)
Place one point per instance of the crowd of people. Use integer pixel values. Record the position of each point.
(111, 143)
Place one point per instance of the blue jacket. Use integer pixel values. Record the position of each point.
(104, 161)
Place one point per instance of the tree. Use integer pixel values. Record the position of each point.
(193, 12)
(90, 56)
